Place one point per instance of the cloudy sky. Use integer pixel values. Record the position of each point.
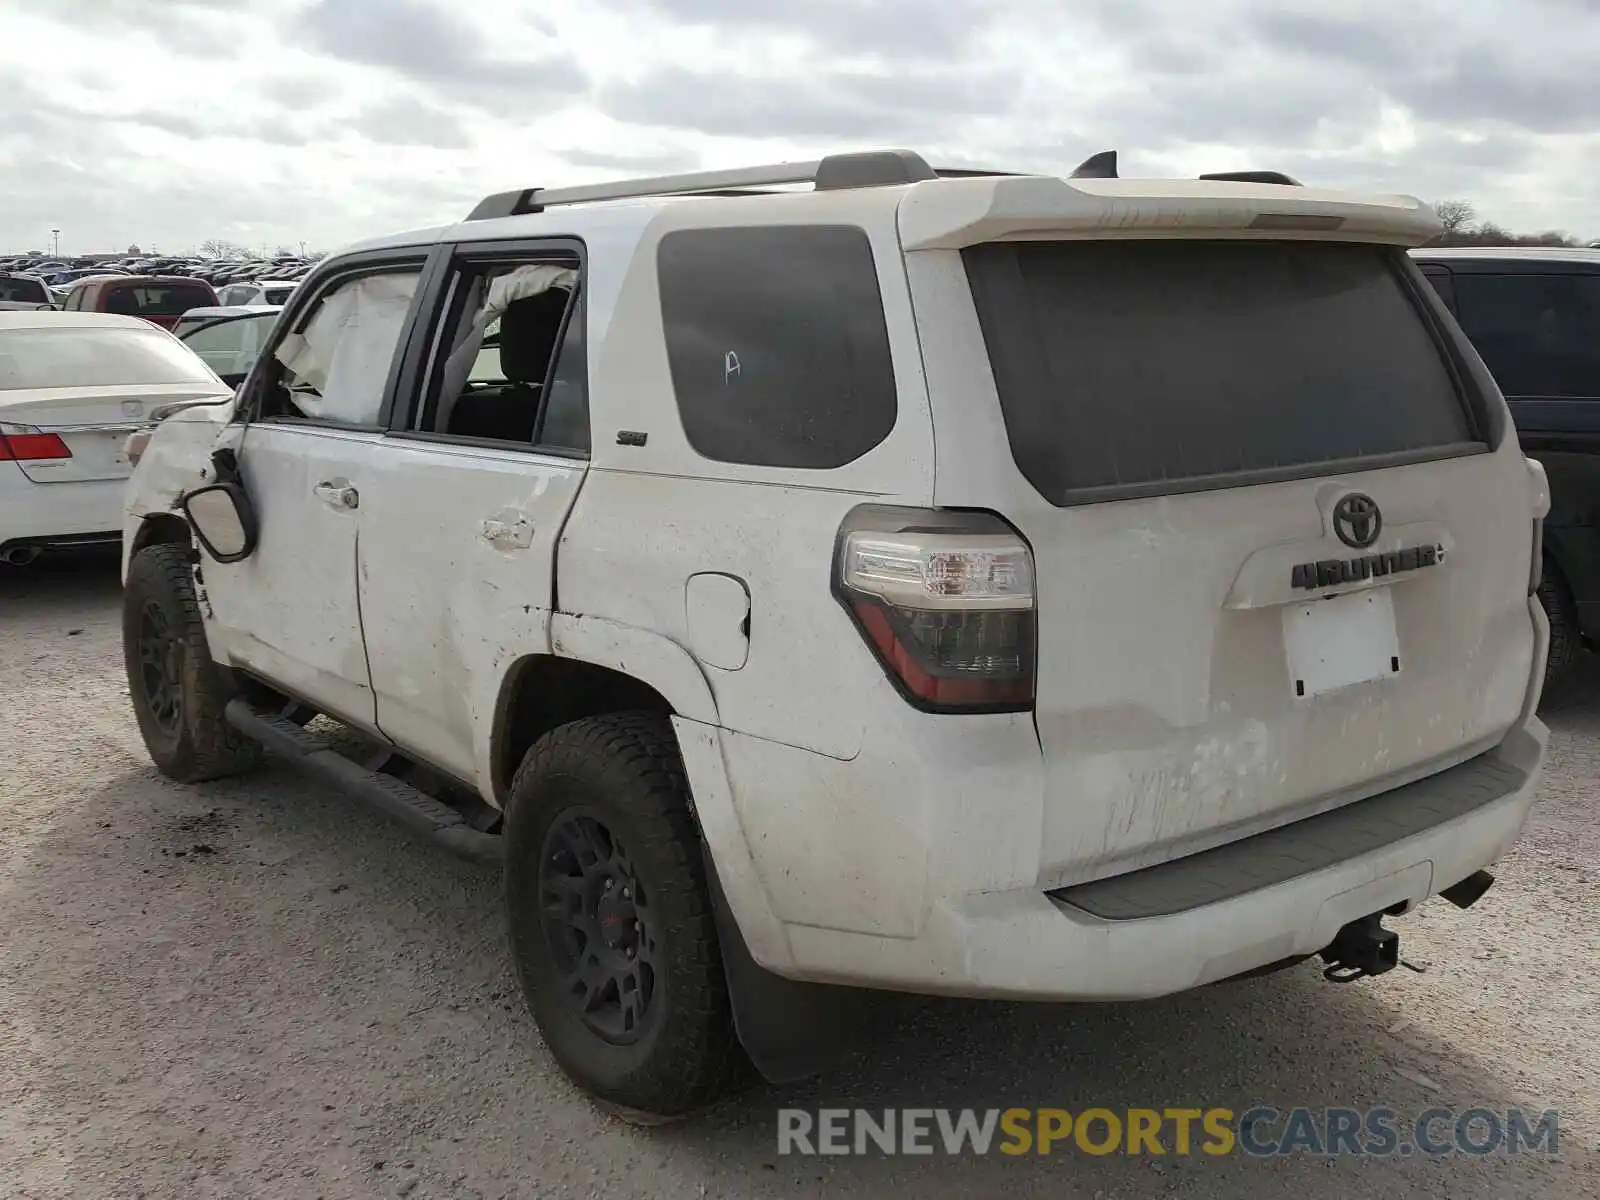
(272, 122)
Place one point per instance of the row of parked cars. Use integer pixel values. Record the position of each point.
(57, 271)
(26, 280)
(1209, 639)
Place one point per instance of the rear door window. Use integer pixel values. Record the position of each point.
(777, 343)
(1539, 335)
(1129, 368)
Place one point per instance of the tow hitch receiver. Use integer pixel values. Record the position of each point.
(1363, 947)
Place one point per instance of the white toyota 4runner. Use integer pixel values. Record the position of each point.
(853, 574)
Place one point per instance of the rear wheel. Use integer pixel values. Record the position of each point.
(178, 691)
(611, 924)
(1566, 642)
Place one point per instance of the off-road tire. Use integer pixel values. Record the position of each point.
(1566, 641)
(198, 744)
(624, 768)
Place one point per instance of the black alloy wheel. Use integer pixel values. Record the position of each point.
(599, 928)
(160, 668)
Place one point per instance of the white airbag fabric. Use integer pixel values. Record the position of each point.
(346, 350)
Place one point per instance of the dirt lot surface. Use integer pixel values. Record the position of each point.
(260, 989)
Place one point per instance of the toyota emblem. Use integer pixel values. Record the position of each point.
(1357, 521)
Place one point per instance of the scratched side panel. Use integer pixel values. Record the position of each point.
(457, 577)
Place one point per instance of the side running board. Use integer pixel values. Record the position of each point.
(395, 798)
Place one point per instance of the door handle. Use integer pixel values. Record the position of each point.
(337, 495)
(508, 532)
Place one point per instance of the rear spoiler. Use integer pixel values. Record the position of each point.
(949, 214)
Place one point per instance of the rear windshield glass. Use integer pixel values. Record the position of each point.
(1147, 367)
(23, 291)
(68, 358)
(156, 299)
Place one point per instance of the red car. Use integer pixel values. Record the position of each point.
(160, 299)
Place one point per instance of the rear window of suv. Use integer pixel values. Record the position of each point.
(17, 289)
(156, 299)
(1130, 368)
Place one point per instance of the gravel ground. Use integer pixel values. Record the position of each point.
(259, 989)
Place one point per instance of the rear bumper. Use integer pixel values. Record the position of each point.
(1027, 944)
(50, 514)
(1047, 947)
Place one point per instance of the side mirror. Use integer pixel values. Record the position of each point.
(224, 520)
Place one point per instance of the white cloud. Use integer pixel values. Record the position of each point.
(168, 122)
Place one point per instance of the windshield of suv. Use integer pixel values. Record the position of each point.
(1148, 367)
(109, 357)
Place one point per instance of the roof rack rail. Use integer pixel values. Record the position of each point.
(874, 168)
(1277, 177)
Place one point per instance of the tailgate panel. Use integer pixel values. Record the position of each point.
(1169, 717)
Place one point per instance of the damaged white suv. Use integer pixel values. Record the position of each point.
(851, 574)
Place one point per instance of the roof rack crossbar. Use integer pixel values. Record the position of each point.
(877, 168)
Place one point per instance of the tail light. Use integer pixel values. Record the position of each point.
(1540, 486)
(946, 601)
(24, 443)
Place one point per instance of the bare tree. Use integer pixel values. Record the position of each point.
(1457, 216)
(219, 248)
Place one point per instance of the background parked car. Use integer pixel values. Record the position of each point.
(156, 299)
(1533, 314)
(24, 291)
(259, 291)
(73, 386)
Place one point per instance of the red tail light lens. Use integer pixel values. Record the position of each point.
(946, 600)
(23, 443)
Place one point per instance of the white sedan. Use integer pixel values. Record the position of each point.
(73, 386)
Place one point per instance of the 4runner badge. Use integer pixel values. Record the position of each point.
(1330, 571)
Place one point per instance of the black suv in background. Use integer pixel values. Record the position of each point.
(1534, 315)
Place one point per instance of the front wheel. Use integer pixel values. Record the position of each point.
(178, 692)
(611, 925)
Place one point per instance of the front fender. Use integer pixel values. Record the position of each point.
(175, 462)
